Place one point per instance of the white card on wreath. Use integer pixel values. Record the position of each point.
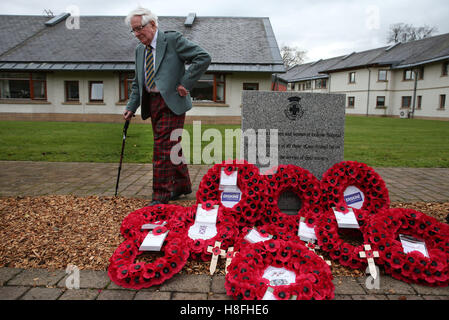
(153, 242)
(255, 236)
(279, 276)
(204, 231)
(151, 226)
(305, 233)
(346, 220)
(410, 244)
(227, 180)
(230, 196)
(205, 216)
(269, 294)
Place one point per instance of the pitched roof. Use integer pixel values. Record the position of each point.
(235, 43)
(398, 56)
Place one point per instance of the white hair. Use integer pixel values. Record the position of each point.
(147, 16)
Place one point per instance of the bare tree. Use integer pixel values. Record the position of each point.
(402, 32)
(292, 56)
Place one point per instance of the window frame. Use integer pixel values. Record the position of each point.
(31, 85)
(384, 102)
(352, 81)
(255, 84)
(445, 69)
(442, 102)
(321, 81)
(386, 75)
(90, 92)
(351, 98)
(127, 83)
(66, 91)
(215, 82)
(403, 99)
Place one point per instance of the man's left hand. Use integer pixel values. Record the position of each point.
(182, 91)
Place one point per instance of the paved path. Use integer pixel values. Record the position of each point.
(83, 179)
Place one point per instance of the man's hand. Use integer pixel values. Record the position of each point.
(128, 115)
(182, 91)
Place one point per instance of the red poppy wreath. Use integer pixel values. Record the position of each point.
(429, 267)
(356, 185)
(250, 183)
(302, 183)
(172, 216)
(126, 272)
(338, 248)
(225, 231)
(309, 277)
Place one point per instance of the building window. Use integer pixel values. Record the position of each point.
(210, 88)
(308, 85)
(72, 93)
(351, 102)
(442, 101)
(125, 87)
(445, 70)
(409, 74)
(321, 84)
(251, 86)
(380, 102)
(352, 77)
(406, 102)
(419, 103)
(292, 86)
(96, 91)
(23, 86)
(382, 76)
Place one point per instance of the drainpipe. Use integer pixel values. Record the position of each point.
(416, 72)
(369, 90)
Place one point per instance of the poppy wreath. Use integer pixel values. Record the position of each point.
(351, 173)
(244, 280)
(412, 267)
(174, 215)
(329, 240)
(302, 183)
(227, 232)
(276, 232)
(126, 272)
(249, 181)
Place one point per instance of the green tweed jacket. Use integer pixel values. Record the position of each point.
(173, 51)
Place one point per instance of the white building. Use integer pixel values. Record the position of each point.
(402, 79)
(69, 70)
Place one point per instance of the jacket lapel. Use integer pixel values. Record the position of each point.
(161, 45)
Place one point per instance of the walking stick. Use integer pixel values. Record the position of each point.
(125, 130)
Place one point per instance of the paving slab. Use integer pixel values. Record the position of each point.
(7, 274)
(218, 284)
(436, 297)
(189, 296)
(42, 294)
(187, 283)
(89, 279)
(431, 291)
(37, 278)
(347, 285)
(389, 285)
(219, 296)
(404, 297)
(80, 294)
(116, 295)
(12, 293)
(155, 295)
(369, 297)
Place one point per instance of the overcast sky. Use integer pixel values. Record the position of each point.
(324, 28)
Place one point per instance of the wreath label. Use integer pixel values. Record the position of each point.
(279, 276)
(306, 233)
(154, 241)
(410, 244)
(255, 236)
(230, 196)
(227, 178)
(205, 225)
(354, 197)
(346, 220)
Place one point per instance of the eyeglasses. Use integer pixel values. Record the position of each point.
(138, 29)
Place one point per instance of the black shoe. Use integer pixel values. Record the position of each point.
(153, 203)
(174, 195)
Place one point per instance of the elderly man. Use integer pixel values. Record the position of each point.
(161, 87)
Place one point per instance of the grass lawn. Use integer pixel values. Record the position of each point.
(381, 142)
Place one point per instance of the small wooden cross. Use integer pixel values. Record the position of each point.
(216, 252)
(313, 247)
(369, 254)
(229, 256)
